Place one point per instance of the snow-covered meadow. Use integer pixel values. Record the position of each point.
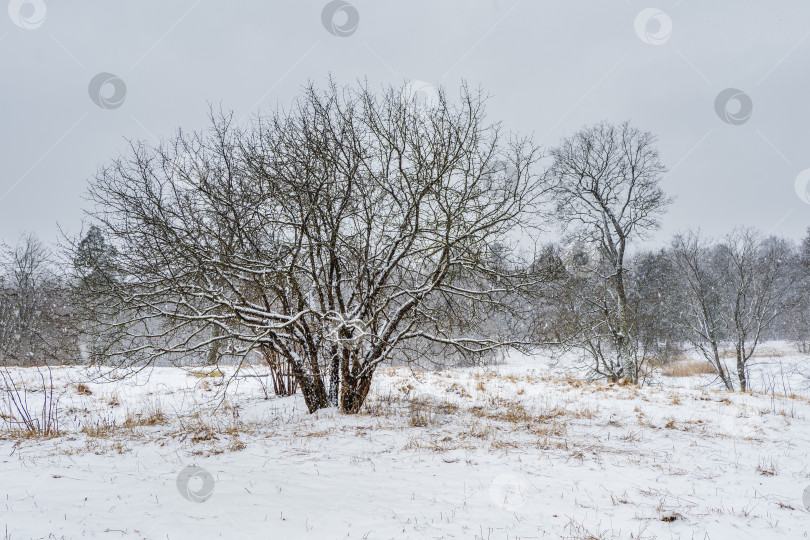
(519, 450)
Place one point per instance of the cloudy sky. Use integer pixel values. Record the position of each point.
(551, 66)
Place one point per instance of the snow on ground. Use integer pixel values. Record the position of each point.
(513, 451)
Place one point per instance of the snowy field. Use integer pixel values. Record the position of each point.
(513, 451)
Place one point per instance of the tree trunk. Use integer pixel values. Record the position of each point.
(628, 363)
(312, 387)
(334, 378)
(353, 388)
(718, 364)
(353, 394)
(741, 368)
(213, 351)
(313, 398)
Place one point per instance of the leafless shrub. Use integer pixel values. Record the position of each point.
(282, 372)
(347, 231)
(34, 412)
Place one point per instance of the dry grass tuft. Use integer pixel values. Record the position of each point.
(25, 434)
(83, 389)
(688, 369)
(457, 389)
(203, 374)
(152, 416)
(380, 406)
(101, 429)
(237, 446)
(516, 413)
(420, 413)
(767, 467)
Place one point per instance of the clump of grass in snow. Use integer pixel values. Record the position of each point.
(688, 369)
(203, 374)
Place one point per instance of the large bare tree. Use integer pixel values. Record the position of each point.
(606, 190)
(334, 235)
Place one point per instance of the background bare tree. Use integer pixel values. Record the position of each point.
(36, 331)
(795, 322)
(653, 306)
(333, 235)
(606, 193)
(754, 276)
(731, 294)
(35, 310)
(697, 294)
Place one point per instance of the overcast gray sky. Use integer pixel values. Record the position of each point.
(550, 66)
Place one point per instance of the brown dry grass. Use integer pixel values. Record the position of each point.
(204, 375)
(237, 446)
(457, 389)
(107, 427)
(688, 369)
(152, 415)
(767, 467)
(16, 434)
(420, 414)
(100, 430)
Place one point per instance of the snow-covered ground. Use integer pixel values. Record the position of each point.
(513, 451)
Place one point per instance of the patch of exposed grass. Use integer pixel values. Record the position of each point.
(151, 416)
(688, 369)
(204, 375)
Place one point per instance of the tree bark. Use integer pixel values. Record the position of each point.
(741, 369)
